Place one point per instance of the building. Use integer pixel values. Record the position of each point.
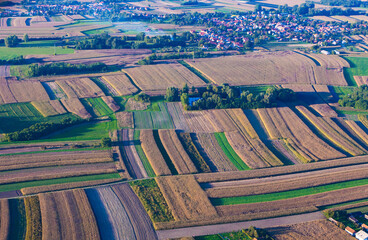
(325, 52)
(364, 226)
(361, 235)
(353, 219)
(350, 231)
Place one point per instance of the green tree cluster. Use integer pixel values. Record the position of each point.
(35, 69)
(11, 41)
(358, 99)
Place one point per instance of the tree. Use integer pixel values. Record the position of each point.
(185, 88)
(11, 41)
(25, 38)
(172, 94)
(106, 142)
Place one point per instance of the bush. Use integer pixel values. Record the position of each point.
(106, 142)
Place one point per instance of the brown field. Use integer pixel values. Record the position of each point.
(176, 112)
(125, 119)
(330, 61)
(4, 219)
(53, 159)
(357, 130)
(211, 151)
(220, 120)
(84, 88)
(345, 19)
(120, 84)
(111, 103)
(319, 229)
(283, 123)
(33, 218)
(333, 132)
(198, 122)
(66, 89)
(176, 152)
(56, 104)
(140, 221)
(46, 109)
(242, 122)
(162, 76)
(361, 80)
(75, 106)
(325, 18)
(135, 105)
(66, 186)
(186, 198)
(267, 68)
(153, 153)
(67, 215)
(247, 189)
(323, 92)
(27, 91)
(324, 110)
(360, 17)
(6, 96)
(120, 164)
(258, 173)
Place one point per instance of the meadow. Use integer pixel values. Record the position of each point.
(7, 53)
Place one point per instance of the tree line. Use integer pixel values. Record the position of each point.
(35, 70)
(225, 96)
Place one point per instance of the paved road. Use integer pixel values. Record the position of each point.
(229, 227)
(4, 71)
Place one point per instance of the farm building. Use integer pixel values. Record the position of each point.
(364, 226)
(353, 219)
(366, 216)
(350, 231)
(361, 235)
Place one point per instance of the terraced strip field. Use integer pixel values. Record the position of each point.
(75, 106)
(27, 91)
(198, 122)
(17, 219)
(97, 106)
(47, 109)
(230, 153)
(142, 155)
(84, 88)
(111, 103)
(33, 218)
(119, 85)
(212, 152)
(54, 91)
(176, 113)
(5, 93)
(358, 130)
(153, 119)
(4, 219)
(112, 219)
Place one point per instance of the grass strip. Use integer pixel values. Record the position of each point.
(168, 161)
(18, 186)
(60, 150)
(147, 166)
(230, 153)
(287, 194)
(343, 204)
(17, 219)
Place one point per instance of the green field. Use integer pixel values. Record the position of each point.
(288, 194)
(153, 119)
(228, 236)
(17, 116)
(147, 166)
(97, 107)
(230, 153)
(98, 31)
(18, 186)
(256, 89)
(6, 53)
(358, 67)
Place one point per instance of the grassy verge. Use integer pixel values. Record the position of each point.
(358, 67)
(288, 194)
(230, 153)
(97, 107)
(152, 199)
(18, 186)
(7, 53)
(147, 166)
(164, 153)
(17, 219)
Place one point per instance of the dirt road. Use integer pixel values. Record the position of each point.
(229, 227)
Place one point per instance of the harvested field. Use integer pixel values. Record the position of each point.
(176, 152)
(248, 189)
(186, 198)
(330, 61)
(198, 122)
(361, 80)
(46, 109)
(176, 112)
(324, 92)
(75, 106)
(242, 122)
(54, 90)
(141, 154)
(111, 103)
(260, 173)
(220, 120)
(6, 96)
(121, 164)
(360, 17)
(267, 68)
(324, 110)
(27, 91)
(33, 218)
(112, 219)
(84, 88)
(283, 123)
(67, 215)
(119, 84)
(333, 132)
(4, 219)
(320, 229)
(14, 162)
(153, 153)
(358, 130)
(66, 89)
(125, 119)
(211, 151)
(345, 19)
(136, 105)
(139, 219)
(161, 76)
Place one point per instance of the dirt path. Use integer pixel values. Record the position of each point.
(282, 177)
(132, 155)
(229, 227)
(5, 71)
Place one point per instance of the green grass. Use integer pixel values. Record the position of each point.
(98, 31)
(230, 153)
(147, 166)
(152, 199)
(288, 194)
(358, 67)
(228, 236)
(18, 186)
(17, 116)
(17, 219)
(351, 112)
(359, 209)
(341, 91)
(41, 43)
(6, 53)
(97, 107)
(153, 119)
(256, 89)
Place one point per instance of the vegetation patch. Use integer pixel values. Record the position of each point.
(147, 166)
(17, 219)
(33, 218)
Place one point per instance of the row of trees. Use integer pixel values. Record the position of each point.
(225, 96)
(13, 61)
(358, 99)
(151, 58)
(39, 130)
(35, 69)
(13, 40)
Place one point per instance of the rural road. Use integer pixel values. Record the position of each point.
(4, 71)
(229, 227)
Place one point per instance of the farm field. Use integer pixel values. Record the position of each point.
(7, 53)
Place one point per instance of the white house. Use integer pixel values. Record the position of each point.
(361, 235)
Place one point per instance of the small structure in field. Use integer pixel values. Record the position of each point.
(366, 216)
(353, 219)
(350, 231)
(361, 235)
(325, 52)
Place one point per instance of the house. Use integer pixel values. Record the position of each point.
(361, 235)
(350, 231)
(366, 216)
(353, 219)
(364, 226)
